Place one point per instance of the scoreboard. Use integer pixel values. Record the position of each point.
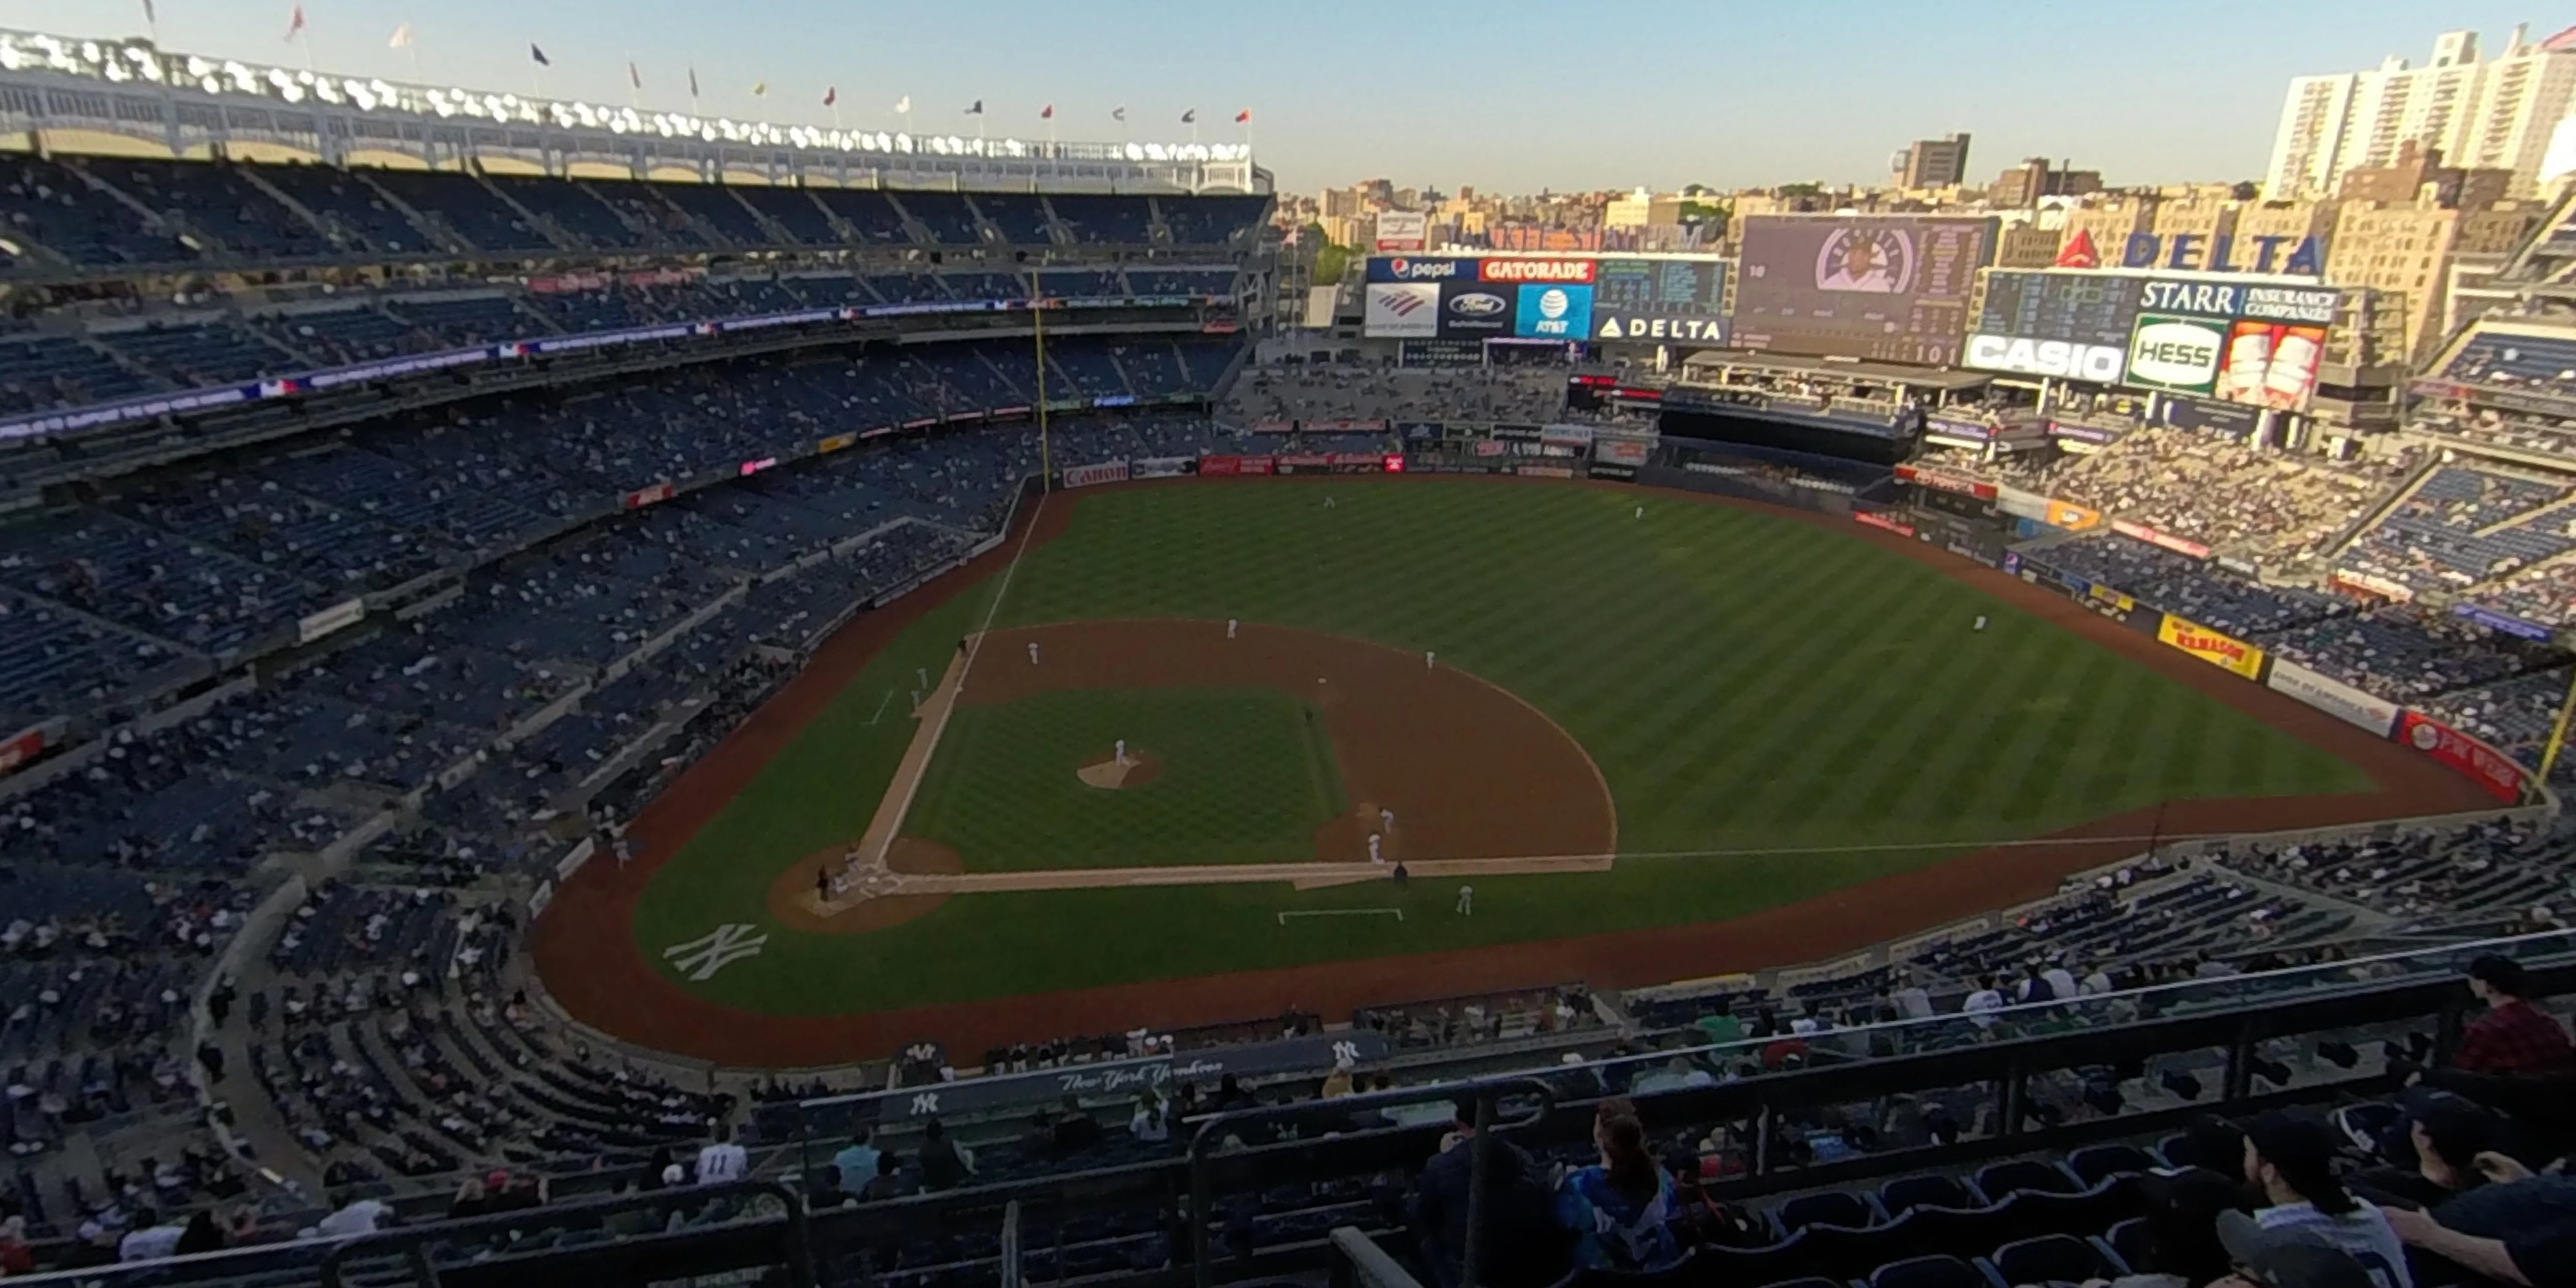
(1668, 287)
(2078, 308)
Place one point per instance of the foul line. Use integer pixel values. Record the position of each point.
(1397, 913)
(935, 710)
(882, 704)
(975, 642)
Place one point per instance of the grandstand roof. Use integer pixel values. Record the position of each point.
(130, 88)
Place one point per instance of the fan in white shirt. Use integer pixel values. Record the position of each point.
(723, 1161)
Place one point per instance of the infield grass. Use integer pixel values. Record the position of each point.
(1245, 777)
(1745, 681)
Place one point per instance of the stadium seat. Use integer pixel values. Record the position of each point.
(2097, 1163)
(2052, 1258)
(1927, 1272)
(1998, 1181)
(1833, 1207)
(1906, 1192)
(1753, 1267)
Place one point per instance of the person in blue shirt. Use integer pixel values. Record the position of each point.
(1619, 1209)
(857, 1164)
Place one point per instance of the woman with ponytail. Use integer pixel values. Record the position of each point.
(1619, 1208)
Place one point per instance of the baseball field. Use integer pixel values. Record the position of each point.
(1656, 743)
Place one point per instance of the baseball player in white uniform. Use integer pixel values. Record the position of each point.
(1429, 659)
(1374, 856)
(1122, 751)
(1386, 820)
(1230, 624)
(1033, 652)
(1466, 901)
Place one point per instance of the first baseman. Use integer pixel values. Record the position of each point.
(1466, 901)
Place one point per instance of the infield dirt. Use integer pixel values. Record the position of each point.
(586, 953)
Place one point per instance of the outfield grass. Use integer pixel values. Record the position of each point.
(1242, 780)
(1743, 680)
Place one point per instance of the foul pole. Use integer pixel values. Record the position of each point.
(2558, 732)
(1037, 334)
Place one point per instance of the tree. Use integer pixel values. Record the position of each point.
(1802, 190)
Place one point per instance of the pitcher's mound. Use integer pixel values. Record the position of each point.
(1108, 774)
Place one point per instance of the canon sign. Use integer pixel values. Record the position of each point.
(2095, 362)
(1535, 270)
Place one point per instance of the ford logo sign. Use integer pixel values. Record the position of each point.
(1478, 306)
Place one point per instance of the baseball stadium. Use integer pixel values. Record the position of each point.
(613, 696)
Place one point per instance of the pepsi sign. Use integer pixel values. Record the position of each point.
(1405, 268)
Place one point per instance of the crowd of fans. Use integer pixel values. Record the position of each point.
(1347, 391)
(2273, 508)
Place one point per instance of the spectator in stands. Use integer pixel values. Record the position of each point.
(2301, 1264)
(2513, 1036)
(1619, 1209)
(2435, 1155)
(362, 1216)
(16, 1258)
(1512, 1252)
(1152, 1121)
(2289, 1161)
(1981, 1005)
(1075, 1131)
(2516, 1229)
(945, 1164)
(200, 1235)
(721, 1160)
(149, 1241)
(857, 1164)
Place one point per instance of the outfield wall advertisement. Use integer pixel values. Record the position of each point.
(2215, 647)
(2482, 764)
(1888, 288)
(2332, 696)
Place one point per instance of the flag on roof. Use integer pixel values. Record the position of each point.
(1243, 117)
(634, 77)
(538, 55)
(1190, 117)
(1118, 114)
(903, 104)
(975, 108)
(1047, 113)
(831, 96)
(760, 89)
(402, 38)
(693, 82)
(295, 23)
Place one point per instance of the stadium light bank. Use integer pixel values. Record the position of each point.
(38, 62)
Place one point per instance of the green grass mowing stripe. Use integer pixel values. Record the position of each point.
(2023, 756)
(1779, 757)
(1948, 755)
(2048, 745)
(1914, 701)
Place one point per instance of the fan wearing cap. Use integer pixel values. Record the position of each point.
(2517, 1229)
(2444, 1134)
(2290, 1161)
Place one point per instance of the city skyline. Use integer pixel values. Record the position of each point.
(2179, 102)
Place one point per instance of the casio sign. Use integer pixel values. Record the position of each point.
(1478, 306)
(2101, 363)
(2172, 352)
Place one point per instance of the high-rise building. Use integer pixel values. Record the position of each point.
(2405, 253)
(2417, 174)
(2034, 178)
(2497, 114)
(1933, 163)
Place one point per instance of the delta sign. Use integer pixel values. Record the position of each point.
(2194, 253)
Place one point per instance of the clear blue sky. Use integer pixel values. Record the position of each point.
(1509, 95)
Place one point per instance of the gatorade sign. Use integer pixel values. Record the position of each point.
(2167, 352)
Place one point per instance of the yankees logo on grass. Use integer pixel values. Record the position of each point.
(703, 956)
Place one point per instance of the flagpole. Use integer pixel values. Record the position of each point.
(634, 83)
(151, 24)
